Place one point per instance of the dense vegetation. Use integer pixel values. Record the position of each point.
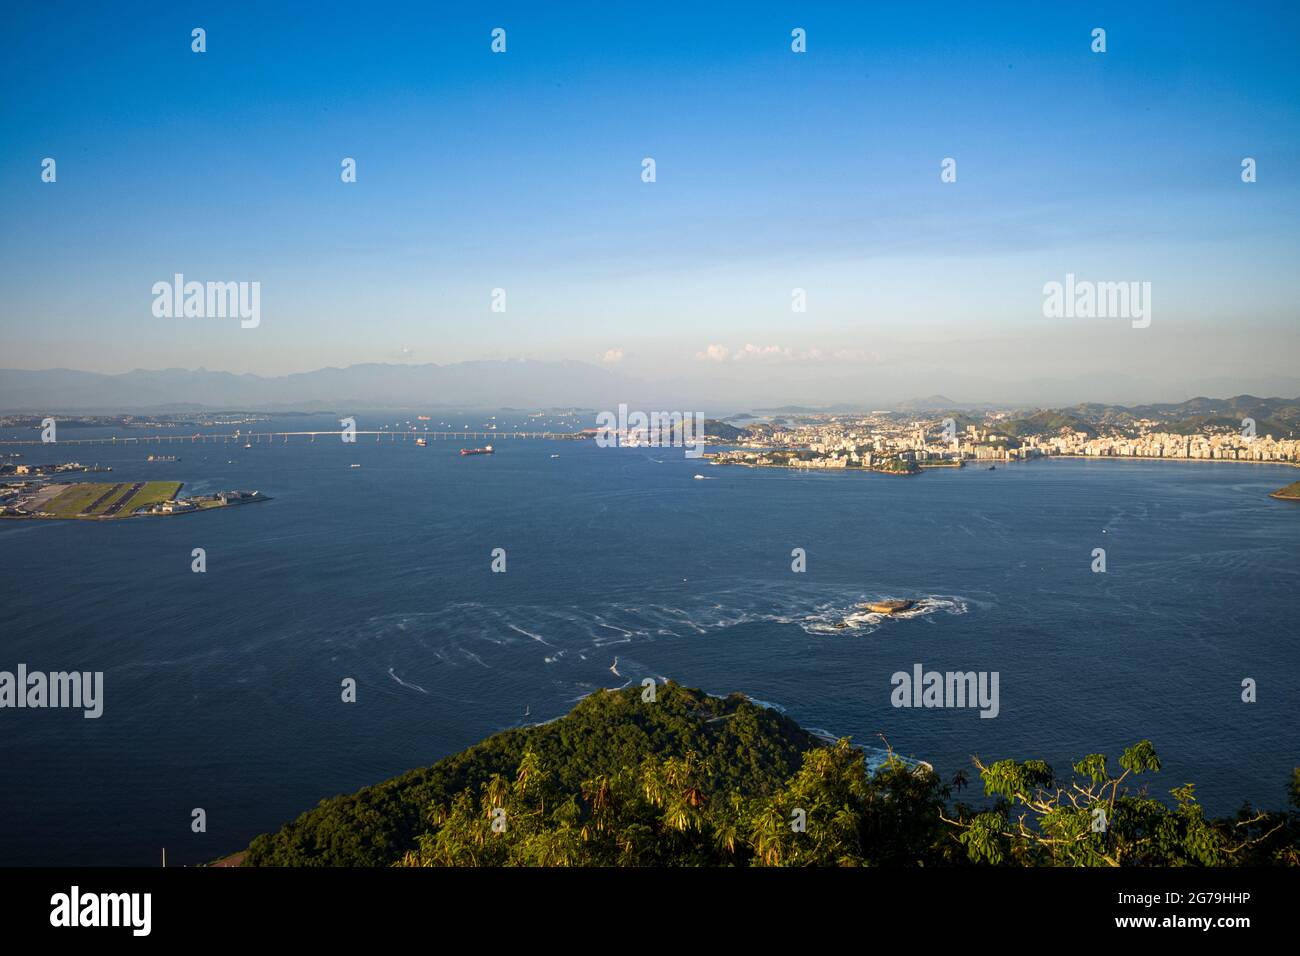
(1277, 417)
(1290, 491)
(724, 431)
(1045, 423)
(689, 779)
(1280, 416)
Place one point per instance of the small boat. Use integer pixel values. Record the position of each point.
(421, 442)
(699, 478)
(889, 607)
(356, 466)
(993, 468)
(247, 445)
(555, 456)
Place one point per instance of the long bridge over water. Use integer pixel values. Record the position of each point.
(266, 438)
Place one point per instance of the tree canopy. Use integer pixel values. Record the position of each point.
(694, 780)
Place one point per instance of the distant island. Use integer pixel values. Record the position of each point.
(690, 779)
(98, 501)
(1290, 493)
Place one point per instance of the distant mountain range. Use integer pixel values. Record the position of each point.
(536, 384)
(933, 403)
(1279, 417)
(487, 384)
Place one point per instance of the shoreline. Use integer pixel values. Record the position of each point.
(205, 503)
(1211, 461)
(966, 462)
(855, 470)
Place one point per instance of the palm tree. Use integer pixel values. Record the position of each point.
(769, 830)
(959, 780)
(495, 792)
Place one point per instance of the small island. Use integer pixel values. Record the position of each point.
(1290, 493)
(889, 607)
(100, 501)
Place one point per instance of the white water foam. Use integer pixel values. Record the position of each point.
(406, 683)
(858, 620)
(494, 635)
(536, 637)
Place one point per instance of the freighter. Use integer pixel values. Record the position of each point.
(485, 450)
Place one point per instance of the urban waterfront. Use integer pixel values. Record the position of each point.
(221, 689)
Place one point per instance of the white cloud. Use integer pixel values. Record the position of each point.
(781, 353)
(751, 351)
(612, 356)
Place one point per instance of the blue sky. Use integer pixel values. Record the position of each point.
(775, 170)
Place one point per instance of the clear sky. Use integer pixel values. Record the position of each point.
(775, 170)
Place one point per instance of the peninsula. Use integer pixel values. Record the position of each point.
(1290, 493)
(622, 782)
(99, 501)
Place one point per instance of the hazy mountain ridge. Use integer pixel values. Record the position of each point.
(489, 384)
(498, 384)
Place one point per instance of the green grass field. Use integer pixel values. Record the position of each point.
(80, 496)
(70, 503)
(152, 492)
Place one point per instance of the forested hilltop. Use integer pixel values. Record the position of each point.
(693, 780)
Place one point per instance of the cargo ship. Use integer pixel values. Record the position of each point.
(485, 450)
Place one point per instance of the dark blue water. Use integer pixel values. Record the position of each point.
(223, 689)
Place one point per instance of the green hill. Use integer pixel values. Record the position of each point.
(1290, 493)
(754, 749)
(1045, 423)
(724, 431)
(694, 780)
